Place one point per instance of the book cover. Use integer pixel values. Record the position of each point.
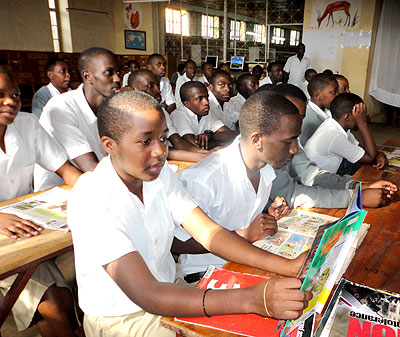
(242, 324)
(393, 155)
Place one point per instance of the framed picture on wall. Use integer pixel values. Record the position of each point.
(135, 39)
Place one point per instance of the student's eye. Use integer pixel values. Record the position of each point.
(164, 139)
(145, 142)
(16, 96)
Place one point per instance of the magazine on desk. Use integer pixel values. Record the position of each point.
(393, 155)
(48, 209)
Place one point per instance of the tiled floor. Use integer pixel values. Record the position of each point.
(380, 132)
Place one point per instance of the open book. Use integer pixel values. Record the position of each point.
(392, 154)
(48, 209)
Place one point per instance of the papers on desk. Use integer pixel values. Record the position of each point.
(48, 209)
(393, 155)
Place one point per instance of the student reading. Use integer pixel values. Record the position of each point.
(23, 142)
(122, 217)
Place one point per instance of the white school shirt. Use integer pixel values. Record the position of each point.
(125, 79)
(202, 79)
(26, 143)
(69, 119)
(218, 111)
(297, 69)
(179, 82)
(107, 221)
(303, 86)
(170, 125)
(186, 122)
(265, 80)
(232, 110)
(167, 95)
(330, 144)
(220, 185)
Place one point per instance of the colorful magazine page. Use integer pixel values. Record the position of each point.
(392, 154)
(327, 263)
(243, 324)
(365, 311)
(296, 233)
(48, 209)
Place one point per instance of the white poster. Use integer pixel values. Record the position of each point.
(328, 14)
(132, 16)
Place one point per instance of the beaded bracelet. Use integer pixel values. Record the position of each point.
(265, 302)
(204, 297)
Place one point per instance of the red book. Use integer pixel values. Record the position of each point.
(243, 324)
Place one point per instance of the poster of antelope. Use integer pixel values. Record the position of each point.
(330, 14)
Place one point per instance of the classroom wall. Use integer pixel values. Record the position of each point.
(354, 62)
(25, 25)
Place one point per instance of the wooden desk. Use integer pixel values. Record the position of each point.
(182, 165)
(22, 256)
(376, 262)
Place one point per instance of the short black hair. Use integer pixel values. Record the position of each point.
(262, 112)
(222, 65)
(286, 89)
(52, 63)
(301, 44)
(135, 74)
(187, 87)
(189, 61)
(257, 68)
(130, 62)
(87, 55)
(328, 72)
(270, 65)
(218, 73)
(114, 116)
(153, 56)
(265, 87)
(344, 103)
(5, 71)
(181, 66)
(242, 78)
(319, 82)
(336, 76)
(205, 63)
(308, 71)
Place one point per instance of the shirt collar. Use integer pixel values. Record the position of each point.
(213, 100)
(334, 123)
(53, 90)
(84, 105)
(323, 113)
(12, 140)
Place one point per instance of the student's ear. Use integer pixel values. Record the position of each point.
(186, 104)
(317, 94)
(87, 76)
(148, 67)
(50, 75)
(210, 87)
(256, 140)
(109, 144)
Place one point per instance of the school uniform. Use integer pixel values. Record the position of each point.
(28, 143)
(218, 111)
(330, 144)
(265, 80)
(219, 184)
(202, 79)
(125, 79)
(167, 96)
(186, 122)
(41, 97)
(303, 86)
(69, 119)
(296, 69)
(232, 110)
(179, 82)
(315, 116)
(107, 221)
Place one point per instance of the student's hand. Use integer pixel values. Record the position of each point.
(279, 208)
(283, 298)
(360, 113)
(12, 226)
(376, 197)
(202, 140)
(392, 188)
(262, 226)
(296, 264)
(381, 161)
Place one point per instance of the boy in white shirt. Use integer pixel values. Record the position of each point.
(208, 70)
(130, 205)
(133, 65)
(158, 66)
(194, 122)
(23, 142)
(334, 148)
(188, 75)
(274, 74)
(309, 75)
(296, 66)
(322, 89)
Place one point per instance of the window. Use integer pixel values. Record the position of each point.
(173, 19)
(259, 33)
(294, 37)
(238, 30)
(210, 26)
(54, 25)
(278, 35)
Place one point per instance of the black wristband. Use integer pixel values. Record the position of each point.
(204, 297)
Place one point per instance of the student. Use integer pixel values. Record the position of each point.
(296, 66)
(208, 70)
(71, 118)
(275, 74)
(193, 121)
(322, 89)
(305, 172)
(131, 204)
(23, 142)
(257, 71)
(132, 66)
(343, 83)
(247, 84)
(144, 80)
(309, 75)
(334, 148)
(157, 65)
(225, 67)
(176, 75)
(60, 81)
(190, 72)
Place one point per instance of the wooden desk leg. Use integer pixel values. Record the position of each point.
(12, 295)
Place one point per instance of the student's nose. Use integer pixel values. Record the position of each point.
(159, 149)
(294, 149)
(7, 100)
(68, 75)
(116, 78)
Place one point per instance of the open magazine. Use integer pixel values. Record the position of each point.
(392, 154)
(328, 260)
(296, 233)
(48, 209)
